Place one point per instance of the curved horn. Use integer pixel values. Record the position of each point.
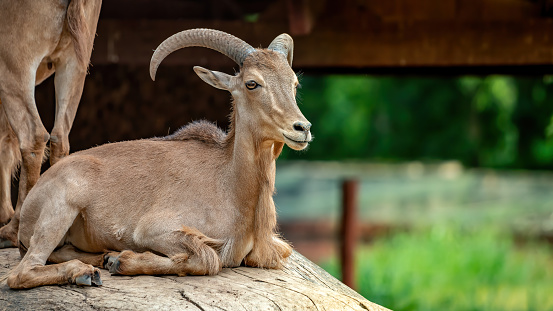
(229, 45)
(285, 45)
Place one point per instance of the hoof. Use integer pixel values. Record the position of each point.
(114, 267)
(96, 278)
(89, 280)
(6, 244)
(112, 263)
(84, 280)
(8, 236)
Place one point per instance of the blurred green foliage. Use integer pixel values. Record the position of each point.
(458, 254)
(494, 121)
(451, 268)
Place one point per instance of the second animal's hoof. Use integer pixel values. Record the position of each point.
(6, 244)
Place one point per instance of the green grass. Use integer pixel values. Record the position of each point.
(450, 268)
(466, 266)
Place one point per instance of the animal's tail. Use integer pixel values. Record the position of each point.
(78, 28)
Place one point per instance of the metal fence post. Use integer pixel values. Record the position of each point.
(349, 230)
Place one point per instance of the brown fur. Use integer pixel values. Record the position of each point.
(189, 203)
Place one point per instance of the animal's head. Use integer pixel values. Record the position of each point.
(264, 90)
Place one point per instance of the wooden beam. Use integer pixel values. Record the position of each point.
(182, 9)
(299, 17)
(385, 44)
(132, 42)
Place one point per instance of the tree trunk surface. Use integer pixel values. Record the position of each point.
(300, 285)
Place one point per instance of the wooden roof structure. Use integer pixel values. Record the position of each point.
(490, 36)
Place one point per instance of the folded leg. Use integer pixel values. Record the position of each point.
(32, 271)
(69, 252)
(188, 251)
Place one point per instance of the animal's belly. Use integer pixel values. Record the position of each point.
(100, 230)
(98, 238)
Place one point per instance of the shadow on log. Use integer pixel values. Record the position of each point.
(301, 285)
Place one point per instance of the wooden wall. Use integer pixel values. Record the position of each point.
(354, 34)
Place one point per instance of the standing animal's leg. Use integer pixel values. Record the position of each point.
(82, 19)
(9, 160)
(188, 250)
(31, 271)
(69, 82)
(19, 105)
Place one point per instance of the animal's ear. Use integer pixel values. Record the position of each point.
(216, 79)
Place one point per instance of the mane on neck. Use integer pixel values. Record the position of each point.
(202, 131)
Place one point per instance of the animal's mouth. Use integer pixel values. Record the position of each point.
(297, 144)
(297, 141)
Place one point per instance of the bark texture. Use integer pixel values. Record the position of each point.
(301, 285)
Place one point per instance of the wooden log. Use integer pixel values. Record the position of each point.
(301, 285)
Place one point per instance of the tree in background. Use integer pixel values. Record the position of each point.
(494, 121)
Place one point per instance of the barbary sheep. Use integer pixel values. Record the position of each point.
(189, 203)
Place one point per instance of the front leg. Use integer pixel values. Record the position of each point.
(186, 251)
(69, 83)
(130, 263)
(268, 253)
(10, 158)
(22, 115)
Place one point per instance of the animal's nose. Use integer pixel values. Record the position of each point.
(302, 126)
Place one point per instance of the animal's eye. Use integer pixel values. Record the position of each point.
(251, 84)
